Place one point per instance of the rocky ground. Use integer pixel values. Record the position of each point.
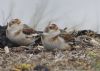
(83, 56)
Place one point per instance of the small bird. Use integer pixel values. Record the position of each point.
(20, 33)
(51, 38)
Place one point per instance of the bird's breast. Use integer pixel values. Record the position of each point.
(51, 44)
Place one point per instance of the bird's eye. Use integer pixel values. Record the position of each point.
(13, 22)
(50, 27)
(10, 24)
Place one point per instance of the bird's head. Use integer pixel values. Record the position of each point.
(14, 23)
(51, 28)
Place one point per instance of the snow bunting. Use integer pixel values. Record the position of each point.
(51, 38)
(20, 33)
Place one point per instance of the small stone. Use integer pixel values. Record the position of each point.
(6, 49)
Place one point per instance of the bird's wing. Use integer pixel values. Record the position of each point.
(66, 36)
(54, 38)
(27, 30)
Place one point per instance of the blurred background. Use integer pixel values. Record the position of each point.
(74, 14)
